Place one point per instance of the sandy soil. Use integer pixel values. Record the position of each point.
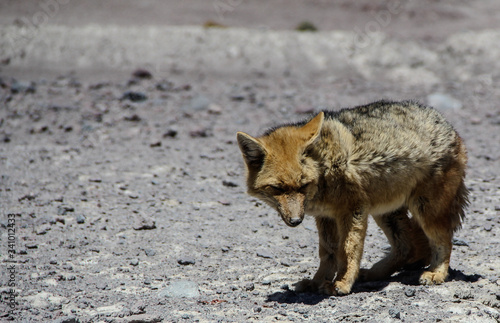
(126, 192)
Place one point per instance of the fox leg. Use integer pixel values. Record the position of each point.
(397, 227)
(328, 244)
(352, 232)
(438, 208)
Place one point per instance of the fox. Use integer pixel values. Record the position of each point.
(400, 162)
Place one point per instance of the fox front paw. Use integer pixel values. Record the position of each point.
(432, 278)
(337, 288)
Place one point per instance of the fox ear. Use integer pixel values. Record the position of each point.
(252, 150)
(312, 129)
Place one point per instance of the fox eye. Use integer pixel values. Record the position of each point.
(276, 189)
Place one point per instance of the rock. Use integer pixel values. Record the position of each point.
(263, 253)
(134, 96)
(286, 262)
(22, 87)
(225, 202)
(186, 260)
(133, 195)
(155, 144)
(180, 289)
(53, 261)
(475, 120)
(43, 229)
(164, 86)
(229, 183)
(306, 26)
(170, 133)
(142, 318)
(132, 118)
(64, 209)
(80, 218)
(197, 103)
(237, 97)
(249, 286)
(442, 101)
(410, 292)
(458, 242)
(214, 109)
(39, 129)
(134, 262)
(142, 74)
(200, 133)
(67, 320)
(463, 293)
(143, 223)
(150, 252)
(394, 313)
(95, 180)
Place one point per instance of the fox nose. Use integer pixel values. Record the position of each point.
(295, 221)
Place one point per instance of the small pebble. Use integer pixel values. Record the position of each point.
(229, 183)
(475, 120)
(170, 133)
(134, 96)
(64, 209)
(142, 74)
(143, 223)
(185, 261)
(394, 313)
(459, 242)
(410, 292)
(200, 133)
(264, 254)
(214, 109)
(249, 286)
(80, 218)
(134, 262)
(133, 118)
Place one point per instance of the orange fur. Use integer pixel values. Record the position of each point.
(383, 159)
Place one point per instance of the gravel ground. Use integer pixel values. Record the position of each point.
(120, 169)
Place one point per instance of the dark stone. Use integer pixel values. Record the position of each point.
(134, 96)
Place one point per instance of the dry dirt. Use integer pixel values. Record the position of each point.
(126, 192)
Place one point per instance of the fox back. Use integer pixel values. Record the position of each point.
(369, 158)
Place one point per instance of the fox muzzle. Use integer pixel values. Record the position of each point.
(291, 208)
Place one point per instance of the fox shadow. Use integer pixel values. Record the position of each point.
(407, 277)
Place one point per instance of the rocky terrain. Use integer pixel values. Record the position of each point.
(123, 186)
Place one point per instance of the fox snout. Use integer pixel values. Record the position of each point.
(291, 208)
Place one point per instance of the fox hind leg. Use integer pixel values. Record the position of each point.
(397, 227)
(439, 209)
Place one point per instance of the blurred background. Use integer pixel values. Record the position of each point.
(102, 36)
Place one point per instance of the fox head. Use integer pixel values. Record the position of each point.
(280, 172)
